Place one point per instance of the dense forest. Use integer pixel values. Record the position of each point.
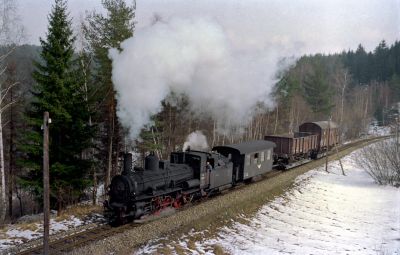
(69, 75)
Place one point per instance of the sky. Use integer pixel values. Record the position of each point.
(299, 27)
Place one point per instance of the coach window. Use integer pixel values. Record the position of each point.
(268, 154)
(262, 156)
(247, 160)
(256, 158)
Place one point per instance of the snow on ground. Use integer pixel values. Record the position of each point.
(13, 235)
(376, 130)
(325, 213)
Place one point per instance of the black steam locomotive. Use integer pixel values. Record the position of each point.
(193, 174)
(186, 176)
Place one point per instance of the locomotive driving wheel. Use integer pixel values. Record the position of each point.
(179, 201)
(160, 203)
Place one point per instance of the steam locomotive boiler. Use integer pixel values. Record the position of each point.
(161, 183)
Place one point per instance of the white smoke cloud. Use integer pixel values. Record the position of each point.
(194, 57)
(196, 141)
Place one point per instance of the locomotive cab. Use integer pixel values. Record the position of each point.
(193, 159)
(220, 177)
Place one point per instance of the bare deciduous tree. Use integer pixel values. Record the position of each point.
(382, 162)
(10, 33)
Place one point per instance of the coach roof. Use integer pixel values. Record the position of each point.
(325, 124)
(248, 147)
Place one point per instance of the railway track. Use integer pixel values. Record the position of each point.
(100, 232)
(69, 242)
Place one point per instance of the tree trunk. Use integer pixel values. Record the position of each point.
(214, 130)
(116, 150)
(21, 211)
(276, 119)
(2, 173)
(365, 111)
(94, 192)
(291, 117)
(91, 152)
(342, 99)
(59, 202)
(266, 128)
(190, 124)
(11, 165)
(110, 148)
(155, 142)
(170, 148)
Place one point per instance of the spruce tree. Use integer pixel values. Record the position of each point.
(59, 91)
(381, 60)
(317, 91)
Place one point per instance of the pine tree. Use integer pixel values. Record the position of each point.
(59, 91)
(381, 60)
(317, 91)
(360, 65)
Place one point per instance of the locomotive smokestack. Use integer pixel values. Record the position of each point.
(151, 162)
(127, 162)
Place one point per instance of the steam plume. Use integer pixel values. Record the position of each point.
(196, 58)
(196, 140)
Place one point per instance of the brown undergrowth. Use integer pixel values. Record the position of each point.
(79, 211)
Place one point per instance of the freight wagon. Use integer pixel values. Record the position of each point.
(311, 142)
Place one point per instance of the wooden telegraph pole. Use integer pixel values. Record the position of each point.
(46, 183)
(327, 145)
(397, 135)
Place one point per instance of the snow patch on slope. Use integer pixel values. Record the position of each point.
(325, 213)
(13, 235)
